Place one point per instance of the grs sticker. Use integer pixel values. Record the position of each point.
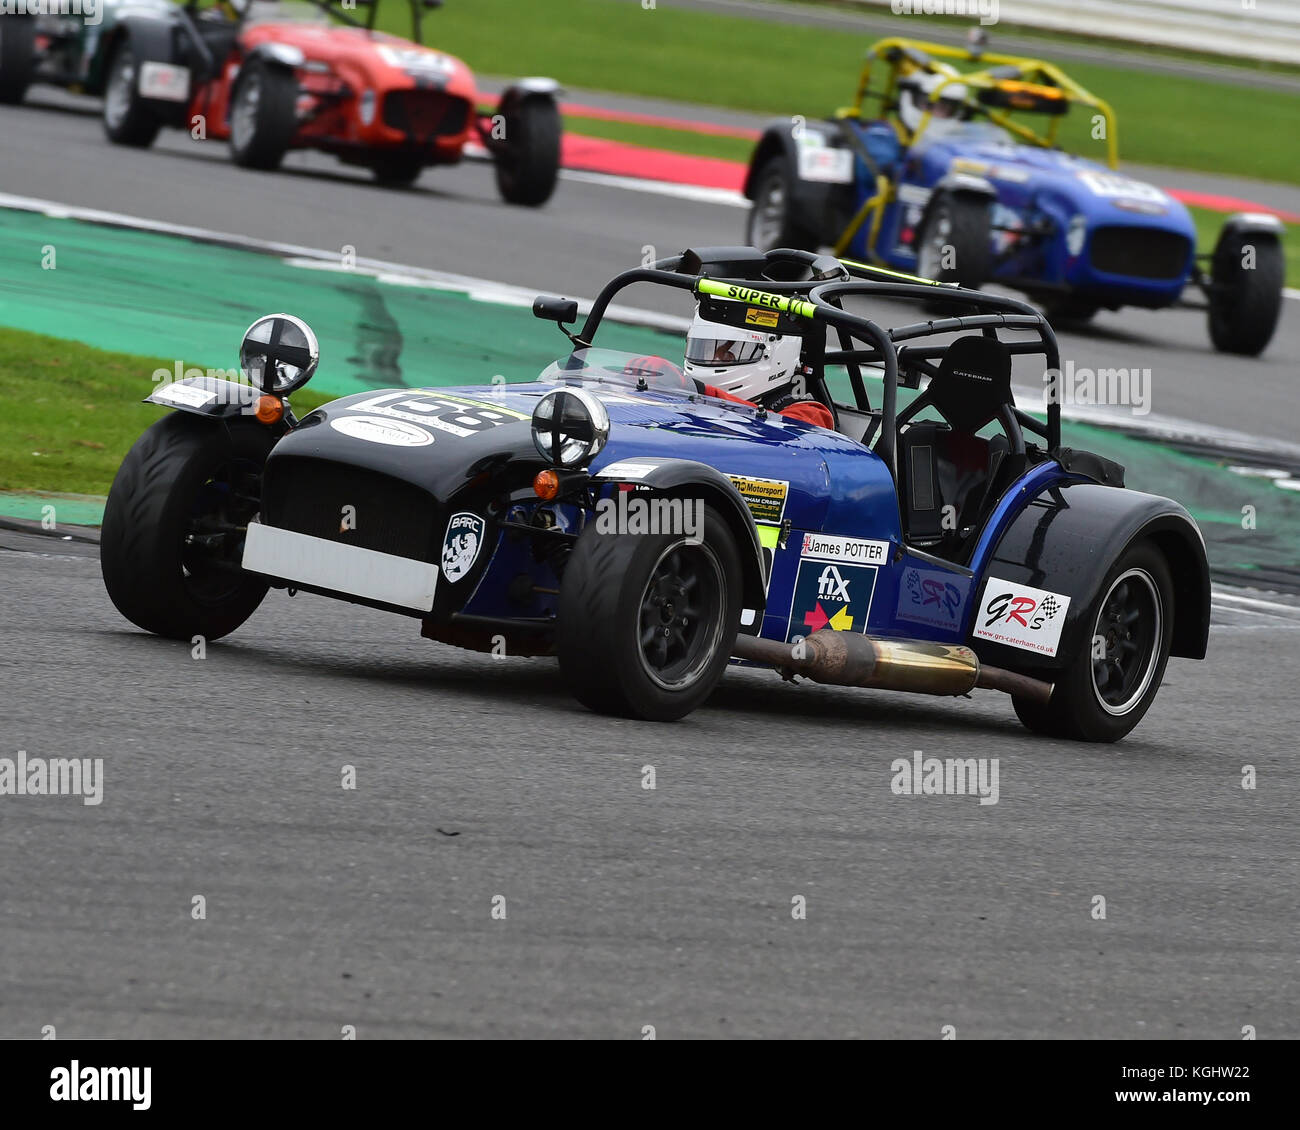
(1021, 616)
(929, 596)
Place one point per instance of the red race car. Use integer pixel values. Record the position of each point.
(273, 77)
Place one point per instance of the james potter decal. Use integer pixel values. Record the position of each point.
(461, 545)
(1020, 616)
(831, 596)
(856, 551)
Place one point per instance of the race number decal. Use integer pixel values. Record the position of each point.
(1111, 185)
(455, 414)
(1020, 616)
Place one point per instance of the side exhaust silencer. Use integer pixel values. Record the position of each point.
(846, 659)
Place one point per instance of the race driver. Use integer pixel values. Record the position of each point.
(751, 367)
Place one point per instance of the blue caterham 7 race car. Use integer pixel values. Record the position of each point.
(630, 516)
(950, 174)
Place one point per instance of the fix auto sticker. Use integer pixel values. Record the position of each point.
(1021, 616)
(831, 596)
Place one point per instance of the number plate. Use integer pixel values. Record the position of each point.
(164, 81)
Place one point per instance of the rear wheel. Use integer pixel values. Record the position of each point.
(955, 241)
(647, 621)
(528, 159)
(127, 118)
(1246, 291)
(263, 116)
(17, 57)
(173, 536)
(772, 221)
(1109, 687)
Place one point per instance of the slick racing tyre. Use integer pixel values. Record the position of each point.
(528, 163)
(397, 170)
(1107, 689)
(171, 543)
(647, 621)
(17, 56)
(772, 222)
(1245, 301)
(955, 240)
(263, 115)
(127, 118)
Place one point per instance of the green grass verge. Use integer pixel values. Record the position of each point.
(748, 64)
(71, 412)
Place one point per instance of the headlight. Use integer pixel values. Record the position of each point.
(279, 353)
(570, 426)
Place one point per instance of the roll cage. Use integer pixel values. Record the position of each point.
(1002, 85)
(806, 292)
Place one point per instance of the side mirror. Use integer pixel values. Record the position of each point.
(551, 309)
(279, 353)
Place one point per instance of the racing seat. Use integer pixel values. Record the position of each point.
(946, 464)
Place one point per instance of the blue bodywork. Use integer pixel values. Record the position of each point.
(829, 485)
(1048, 209)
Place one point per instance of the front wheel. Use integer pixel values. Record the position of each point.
(127, 117)
(772, 219)
(173, 533)
(528, 159)
(17, 56)
(263, 115)
(1245, 291)
(955, 241)
(647, 621)
(1111, 684)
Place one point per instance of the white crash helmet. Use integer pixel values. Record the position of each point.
(917, 94)
(745, 363)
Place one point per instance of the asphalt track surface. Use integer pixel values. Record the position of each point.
(624, 907)
(479, 778)
(454, 221)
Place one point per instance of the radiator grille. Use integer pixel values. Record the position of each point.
(1141, 253)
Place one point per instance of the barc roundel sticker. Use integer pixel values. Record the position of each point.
(461, 545)
(375, 429)
(1020, 616)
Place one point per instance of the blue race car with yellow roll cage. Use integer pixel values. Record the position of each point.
(613, 514)
(952, 166)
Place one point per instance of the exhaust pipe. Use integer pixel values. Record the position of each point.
(846, 659)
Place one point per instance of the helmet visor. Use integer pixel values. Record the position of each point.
(717, 351)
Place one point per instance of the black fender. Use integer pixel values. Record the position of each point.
(1251, 223)
(523, 89)
(827, 202)
(965, 184)
(214, 397)
(675, 476)
(153, 40)
(1066, 540)
(284, 56)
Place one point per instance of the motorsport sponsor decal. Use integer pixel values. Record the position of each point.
(762, 317)
(192, 395)
(831, 596)
(461, 545)
(930, 596)
(1020, 616)
(375, 429)
(164, 81)
(820, 163)
(455, 414)
(764, 497)
(831, 547)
